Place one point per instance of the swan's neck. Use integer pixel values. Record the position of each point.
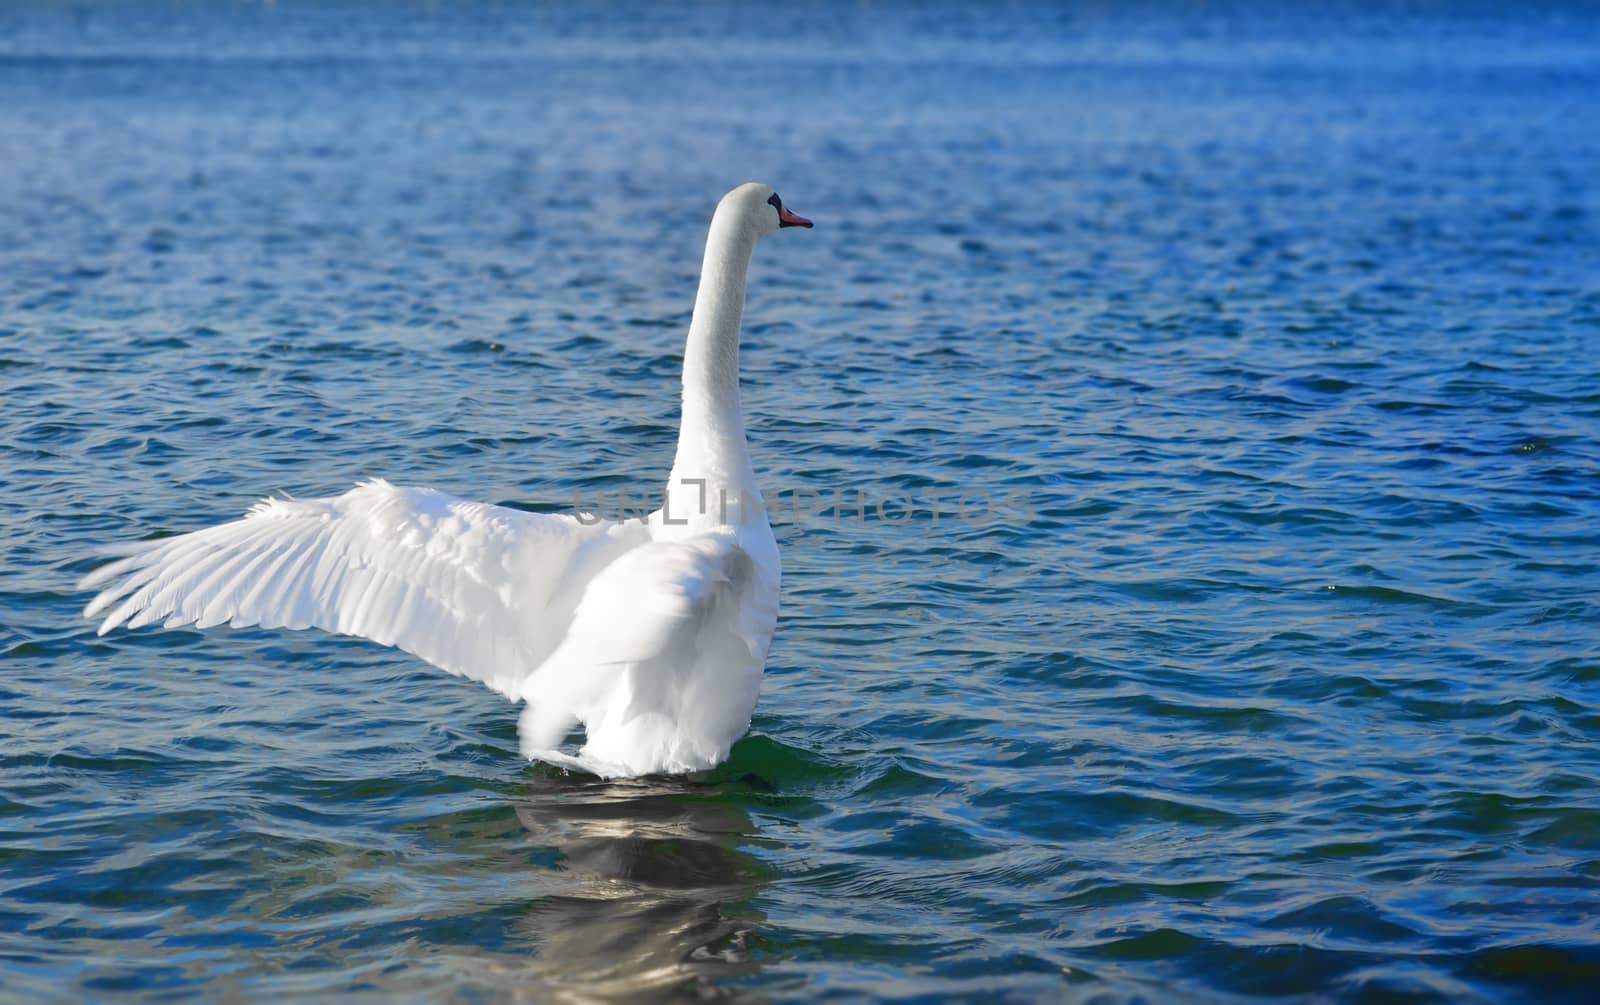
(711, 442)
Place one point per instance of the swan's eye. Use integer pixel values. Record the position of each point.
(775, 202)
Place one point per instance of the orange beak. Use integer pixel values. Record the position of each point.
(788, 219)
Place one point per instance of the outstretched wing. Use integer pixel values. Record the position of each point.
(482, 591)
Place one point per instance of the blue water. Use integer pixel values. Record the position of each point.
(1220, 386)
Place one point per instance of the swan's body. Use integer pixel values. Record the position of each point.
(651, 633)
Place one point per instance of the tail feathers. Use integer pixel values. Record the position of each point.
(541, 728)
(581, 762)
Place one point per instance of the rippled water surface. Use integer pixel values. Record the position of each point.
(1192, 418)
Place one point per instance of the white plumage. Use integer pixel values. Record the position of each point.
(650, 633)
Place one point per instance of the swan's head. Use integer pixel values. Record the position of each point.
(756, 207)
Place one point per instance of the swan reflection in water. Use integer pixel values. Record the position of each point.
(648, 894)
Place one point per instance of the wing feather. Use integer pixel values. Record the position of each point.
(481, 591)
(656, 663)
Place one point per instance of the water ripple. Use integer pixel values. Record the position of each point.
(1180, 431)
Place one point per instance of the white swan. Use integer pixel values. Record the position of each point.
(651, 633)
